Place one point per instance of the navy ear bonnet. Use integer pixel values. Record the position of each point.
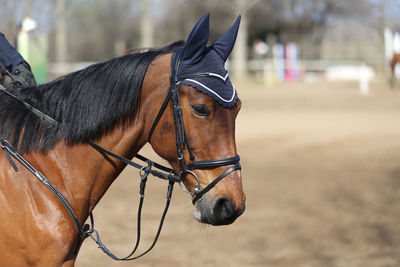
(196, 57)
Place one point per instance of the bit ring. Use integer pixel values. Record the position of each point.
(197, 186)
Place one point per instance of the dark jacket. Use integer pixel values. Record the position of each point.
(9, 57)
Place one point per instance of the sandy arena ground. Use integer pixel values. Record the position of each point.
(321, 167)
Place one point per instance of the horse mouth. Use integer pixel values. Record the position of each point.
(221, 213)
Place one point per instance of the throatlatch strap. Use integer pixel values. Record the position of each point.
(159, 115)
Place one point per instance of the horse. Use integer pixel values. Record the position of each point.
(120, 104)
(395, 60)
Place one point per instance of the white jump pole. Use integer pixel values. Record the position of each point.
(364, 80)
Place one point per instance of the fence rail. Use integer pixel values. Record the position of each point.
(329, 70)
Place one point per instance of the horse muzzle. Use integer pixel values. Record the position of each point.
(222, 211)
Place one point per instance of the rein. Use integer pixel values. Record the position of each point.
(163, 172)
(87, 230)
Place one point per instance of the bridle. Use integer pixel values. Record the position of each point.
(162, 172)
(181, 138)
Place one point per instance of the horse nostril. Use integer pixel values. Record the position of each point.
(224, 212)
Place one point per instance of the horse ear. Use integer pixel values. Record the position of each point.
(225, 43)
(197, 41)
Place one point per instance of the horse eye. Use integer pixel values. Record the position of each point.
(201, 110)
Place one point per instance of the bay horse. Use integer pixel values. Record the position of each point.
(163, 96)
(393, 64)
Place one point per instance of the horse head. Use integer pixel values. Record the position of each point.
(208, 104)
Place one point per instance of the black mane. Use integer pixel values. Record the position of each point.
(87, 103)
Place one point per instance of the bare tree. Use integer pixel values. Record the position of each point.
(9, 20)
(146, 24)
(96, 25)
(233, 8)
(240, 53)
(61, 32)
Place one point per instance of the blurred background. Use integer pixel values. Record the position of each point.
(318, 133)
(279, 40)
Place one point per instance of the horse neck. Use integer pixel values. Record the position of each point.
(83, 174)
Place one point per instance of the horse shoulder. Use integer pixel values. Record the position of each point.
(33, 223)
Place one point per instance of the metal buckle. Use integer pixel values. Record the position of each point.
(196, 188)
(4, 143)
(142, 171)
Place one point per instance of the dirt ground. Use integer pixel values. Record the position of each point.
(321, 167)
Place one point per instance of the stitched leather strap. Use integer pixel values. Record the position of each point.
(213, 163)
